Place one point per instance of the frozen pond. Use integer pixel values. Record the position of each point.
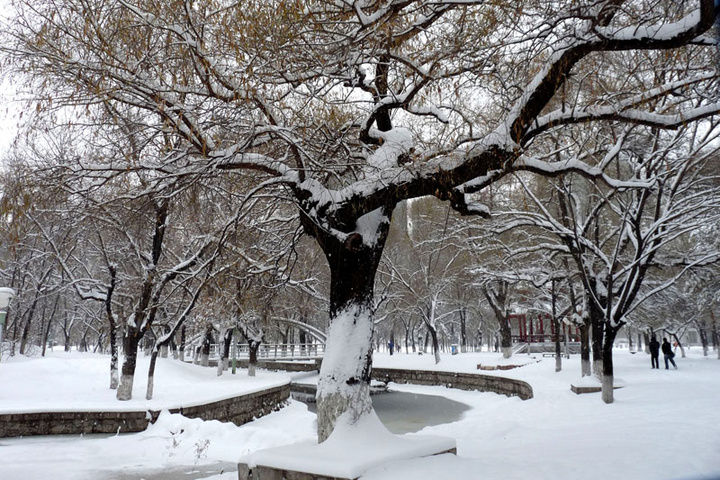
(403, 412)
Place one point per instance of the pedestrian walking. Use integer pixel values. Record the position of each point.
(668, 354)
(654, 352)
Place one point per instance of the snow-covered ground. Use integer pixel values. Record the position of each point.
(664, 424)
(79, 382)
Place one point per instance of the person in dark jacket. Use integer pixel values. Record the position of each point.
(654, 346)
(668, 354)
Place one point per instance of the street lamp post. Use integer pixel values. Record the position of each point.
(6, 294)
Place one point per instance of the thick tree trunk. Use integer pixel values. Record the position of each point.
(608, 372)
(127, 377)
(343, 393)
(344, 383)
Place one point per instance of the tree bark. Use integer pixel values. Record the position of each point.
(506, 338)
(151, 375)
(598, 328)
(127, 377)
(435, 344)
(46, 331)
(28, 323)
(182, 344)
(702, 331)
(205, 350)
(607, 360)
(558, 355)
(585, 364)
(225, 353)
(253, 347)
(463, 330)
(343, 393)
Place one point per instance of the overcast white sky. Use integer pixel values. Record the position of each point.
(8, 116)
(8, 113)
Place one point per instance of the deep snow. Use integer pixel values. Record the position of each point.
(664, 424)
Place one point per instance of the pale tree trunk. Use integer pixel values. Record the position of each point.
(224, 362)
(558, 351)
(432, 330)
(114, 378)
(344, 383)
(113, 330)
(558, 355)
(253, 347)
(151, 375)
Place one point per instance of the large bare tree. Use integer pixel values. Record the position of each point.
(346, 108)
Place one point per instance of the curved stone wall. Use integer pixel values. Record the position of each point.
(464, 381)
(239, 410)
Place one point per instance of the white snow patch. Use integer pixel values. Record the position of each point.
(339, 455)
(395, 143)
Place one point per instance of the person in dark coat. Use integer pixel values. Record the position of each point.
(654, 346)
(668, 354)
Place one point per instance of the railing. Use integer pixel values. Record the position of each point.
(542, 338)
(279, 351)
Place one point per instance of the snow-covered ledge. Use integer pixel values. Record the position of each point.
(348, 453)
(239, 409)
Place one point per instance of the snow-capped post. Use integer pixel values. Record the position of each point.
(6, 294)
